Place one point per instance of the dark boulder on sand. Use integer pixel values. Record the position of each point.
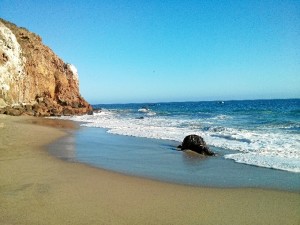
(197, 144)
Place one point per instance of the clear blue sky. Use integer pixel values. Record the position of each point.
(153, 51)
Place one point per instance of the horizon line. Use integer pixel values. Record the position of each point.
(194, 101)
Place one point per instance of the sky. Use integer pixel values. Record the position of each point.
(166, 51)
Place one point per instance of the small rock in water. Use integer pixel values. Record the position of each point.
(196, 143)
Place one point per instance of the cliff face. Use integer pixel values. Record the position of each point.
(33, 80)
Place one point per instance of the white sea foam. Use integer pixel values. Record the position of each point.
(221, 117)
(260, 147)
(268, 160)
(151, 114)
(143, 110)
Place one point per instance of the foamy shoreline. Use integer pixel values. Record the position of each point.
(37, 188)
(257, 133)
(160, 160)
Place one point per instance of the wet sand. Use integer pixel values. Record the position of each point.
(36, 188)
(160, 160)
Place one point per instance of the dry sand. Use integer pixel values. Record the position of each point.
(36, 188)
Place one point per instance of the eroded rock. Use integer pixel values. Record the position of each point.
(197, 144)
(31, 74)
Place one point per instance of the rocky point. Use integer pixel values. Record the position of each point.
(33, 79)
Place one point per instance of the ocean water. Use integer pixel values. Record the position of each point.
(262, 133)
(160, 160)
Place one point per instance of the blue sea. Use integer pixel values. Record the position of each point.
(257, 134)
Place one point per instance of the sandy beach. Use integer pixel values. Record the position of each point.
(36, 188)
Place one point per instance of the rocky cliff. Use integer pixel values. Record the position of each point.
(33, 80)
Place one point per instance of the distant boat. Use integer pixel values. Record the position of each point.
(221, 102)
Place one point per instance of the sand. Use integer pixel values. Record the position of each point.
(36, 188)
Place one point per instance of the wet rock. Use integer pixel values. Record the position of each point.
(197, 144)
(97, 110)
(54, 112)
(3, 110)
(29, 113)
(13, 111)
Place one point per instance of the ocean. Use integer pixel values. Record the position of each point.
(257, 133)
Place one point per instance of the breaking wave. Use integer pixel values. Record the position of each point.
(264, 147)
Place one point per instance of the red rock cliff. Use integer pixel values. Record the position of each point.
(33, 80)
